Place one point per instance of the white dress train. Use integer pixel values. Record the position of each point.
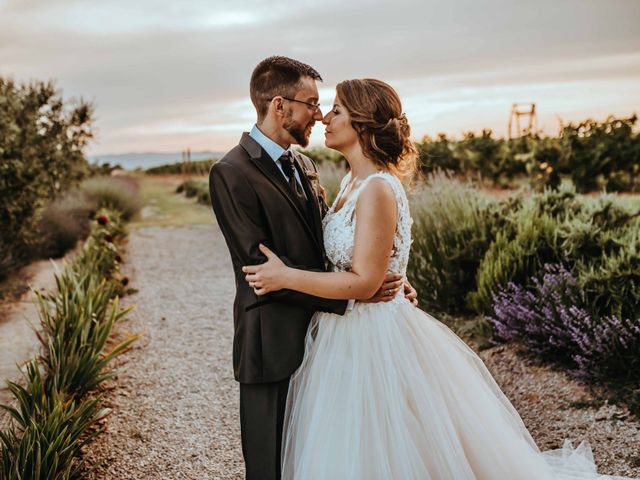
(388, 392)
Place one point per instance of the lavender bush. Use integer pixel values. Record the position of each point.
(552, 319)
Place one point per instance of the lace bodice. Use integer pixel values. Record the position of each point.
(339, 227)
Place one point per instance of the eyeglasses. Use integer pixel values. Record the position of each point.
(313, 106)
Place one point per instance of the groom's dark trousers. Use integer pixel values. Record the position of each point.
(254, 204)
(262, 407)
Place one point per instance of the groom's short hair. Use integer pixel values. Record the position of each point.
(275, 76)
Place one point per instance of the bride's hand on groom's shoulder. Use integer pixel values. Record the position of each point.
(266, 277)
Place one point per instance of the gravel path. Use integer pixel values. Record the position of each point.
(176, 404)
(549, 403)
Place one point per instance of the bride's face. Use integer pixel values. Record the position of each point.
(339, 134)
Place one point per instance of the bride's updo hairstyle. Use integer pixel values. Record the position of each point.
(383, 130)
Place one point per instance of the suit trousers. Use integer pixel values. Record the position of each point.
(262, 407)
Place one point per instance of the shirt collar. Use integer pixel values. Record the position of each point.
(274, 150)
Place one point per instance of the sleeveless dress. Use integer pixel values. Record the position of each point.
(388, 392)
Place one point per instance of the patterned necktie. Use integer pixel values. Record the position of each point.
(286, 160)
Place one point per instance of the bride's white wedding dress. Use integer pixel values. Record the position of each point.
(388, 392)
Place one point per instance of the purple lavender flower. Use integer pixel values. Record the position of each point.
(552, 319)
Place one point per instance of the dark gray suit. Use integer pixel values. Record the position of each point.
(254, 204)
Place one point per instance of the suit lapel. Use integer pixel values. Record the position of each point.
(268, 167)
(308, 190)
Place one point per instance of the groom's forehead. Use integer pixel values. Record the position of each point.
(308, 88)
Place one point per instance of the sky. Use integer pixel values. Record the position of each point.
(166, 76)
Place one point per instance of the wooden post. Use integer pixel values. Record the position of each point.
(529, 113)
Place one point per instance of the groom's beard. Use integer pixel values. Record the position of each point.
(297, 132)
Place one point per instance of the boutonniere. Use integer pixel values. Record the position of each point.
(313, 180)
(318, 190)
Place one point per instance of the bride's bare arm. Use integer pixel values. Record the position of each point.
(375, 230)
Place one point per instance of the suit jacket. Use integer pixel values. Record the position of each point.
(254, 204)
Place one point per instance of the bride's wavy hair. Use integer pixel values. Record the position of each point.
(383, 130)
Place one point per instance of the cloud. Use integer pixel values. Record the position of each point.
(150, 65)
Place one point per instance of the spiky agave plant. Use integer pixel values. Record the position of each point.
(54, 412)
(50, 428)
(75, 337)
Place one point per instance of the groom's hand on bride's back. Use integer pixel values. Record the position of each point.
(392, 283)
(410, 293)
(390, 286)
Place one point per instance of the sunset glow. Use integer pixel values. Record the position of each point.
(166, 76)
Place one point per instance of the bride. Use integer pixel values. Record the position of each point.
(387, 391)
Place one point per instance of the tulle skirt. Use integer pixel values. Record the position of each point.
(388, 392)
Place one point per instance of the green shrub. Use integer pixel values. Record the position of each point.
(601, 242)
(204, 197)
(435, 155)
(593, 154)
(63, 223)
(515, 257)
(66, 220)
(594, 151)
(612, 282)
(196, 188)
(480, 155)
(452, 231)
(195, 167)
(542, 163)
(621, 181)
(330, 176)
(191, 188)
(466, 247)
(99, 254)
(589, 235)
(115, 193)
(103, 170)
(322, 155)
(41, 143)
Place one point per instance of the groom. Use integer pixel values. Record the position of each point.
(261, 193)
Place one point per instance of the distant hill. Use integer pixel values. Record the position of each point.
(129, 161)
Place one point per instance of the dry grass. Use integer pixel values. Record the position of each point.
(163, 207)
